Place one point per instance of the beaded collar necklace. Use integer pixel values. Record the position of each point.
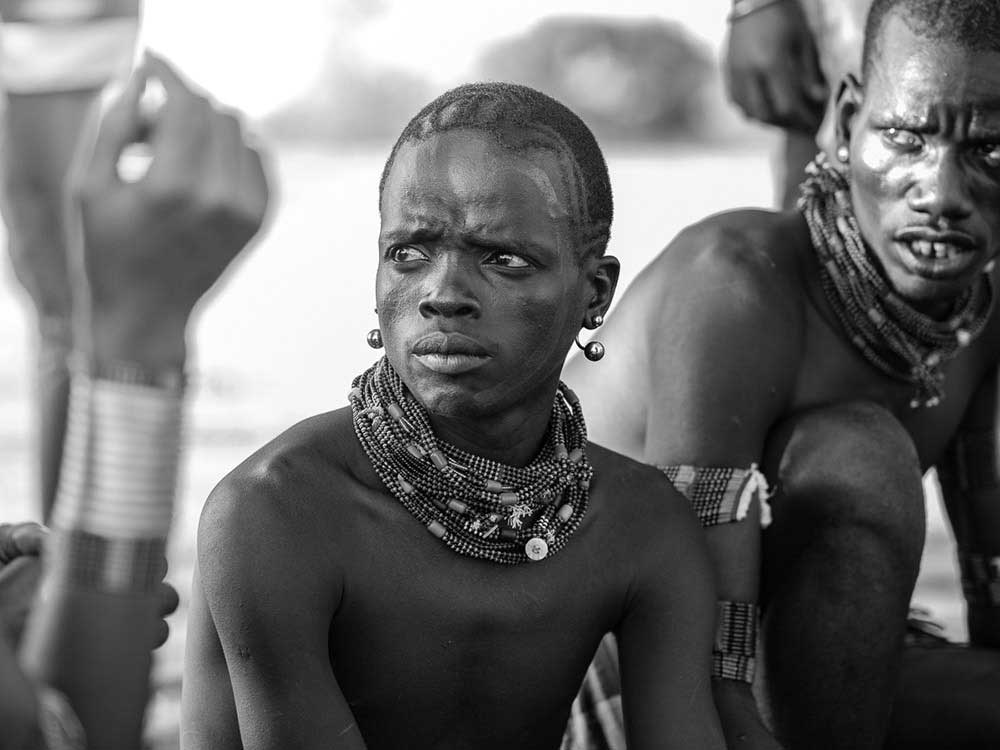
(889, 332)
(477, 507)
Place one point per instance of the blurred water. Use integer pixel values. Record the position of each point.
(287, 334)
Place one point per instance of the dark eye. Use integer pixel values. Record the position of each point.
(990, 154)
(508, 260)
(406, 253)
(905, 140)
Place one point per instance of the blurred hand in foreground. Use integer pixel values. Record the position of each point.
(20, 571)
(21, 547)
(772, 68)
(151, 248)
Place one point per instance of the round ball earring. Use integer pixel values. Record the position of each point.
(843, 154)
(594, 350)
(375, 338)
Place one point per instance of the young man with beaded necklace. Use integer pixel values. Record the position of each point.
(845, 347)
(434, 566)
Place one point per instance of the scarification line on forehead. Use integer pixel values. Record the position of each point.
(521, 119)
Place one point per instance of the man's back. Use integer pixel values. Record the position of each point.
(333, 604)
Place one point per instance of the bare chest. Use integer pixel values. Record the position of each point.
(834, 371)
(436, 649)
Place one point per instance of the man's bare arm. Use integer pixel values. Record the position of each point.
(40, 134)
(149, 250)
(970, 482)
(272, 610)
(716, 326)
(665, 639)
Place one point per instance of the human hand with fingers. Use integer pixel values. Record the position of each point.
(772, 67)
(21, 547)
(20, 571)
(152, 247)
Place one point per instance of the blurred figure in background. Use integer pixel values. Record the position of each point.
(785, 60)
(55, 59)
(143, 253)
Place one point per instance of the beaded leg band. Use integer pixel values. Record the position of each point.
(735, 641)
(981, 579)
(721, 494)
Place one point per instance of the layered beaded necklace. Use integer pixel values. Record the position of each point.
(477, 507)
(889, 332)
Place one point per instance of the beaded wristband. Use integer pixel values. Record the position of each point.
(120, 459)
(721, 494)
(37, 58)
(981, 579)
(735, 641)
(106, 564)
(743, 8)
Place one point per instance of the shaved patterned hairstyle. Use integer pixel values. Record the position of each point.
(522, 119)
(974, 24)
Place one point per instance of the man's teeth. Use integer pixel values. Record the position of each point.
(928, 249)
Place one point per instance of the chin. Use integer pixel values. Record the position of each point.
(920, 290)
(448, 397)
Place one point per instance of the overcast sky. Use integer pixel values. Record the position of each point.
(255, 55)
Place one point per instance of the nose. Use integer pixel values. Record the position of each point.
(942, 191)
(450, 289)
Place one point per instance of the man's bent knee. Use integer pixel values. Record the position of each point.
(849, 465)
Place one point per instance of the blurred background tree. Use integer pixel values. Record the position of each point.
(629, 79)
(633, 80)
(352, 103)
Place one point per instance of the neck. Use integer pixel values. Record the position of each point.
(513, 438)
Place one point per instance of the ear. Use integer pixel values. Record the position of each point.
(603, 283)
(850, 97)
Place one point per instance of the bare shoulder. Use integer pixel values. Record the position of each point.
(647, 507)
(746, 257)
(280, 502)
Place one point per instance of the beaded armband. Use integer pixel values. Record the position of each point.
(37, 58)
(981, 579)
(120, 460)
(735, 641)
(721, 494)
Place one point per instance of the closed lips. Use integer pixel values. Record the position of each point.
(449, 344)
